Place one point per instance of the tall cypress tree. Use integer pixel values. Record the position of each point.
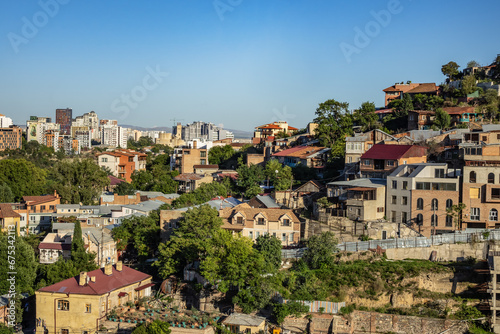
(82, 260)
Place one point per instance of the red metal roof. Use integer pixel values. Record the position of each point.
(54, 245)
(142, 287)
(103, 283)
(284, 153)
(386, 152)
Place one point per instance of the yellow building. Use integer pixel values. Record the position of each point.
(8, 217)
(81, 303)
(245, 323)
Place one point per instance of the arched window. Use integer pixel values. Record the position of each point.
(472, 177)
(434, 204)
(434, 220)
(420, 219)
(491, 178)
(420, 204)
(449, 203)
(494, 215)
(449, 221)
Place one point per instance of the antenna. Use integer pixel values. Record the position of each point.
(175, 120)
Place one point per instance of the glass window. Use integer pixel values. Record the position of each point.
(405, 185)
(261, 221)
(390, 162)
(366, 162)
(203, 154)
(491, 178)
(250, 234)
(404, 217)
(495, 193)
(286, 222)
(449, 221)
(475, 214)
(434, 220)
(88, 308)
(439, 173)
(290, 237)
(474, 192)
(434, 204)
(420, 204)
(283, 237)
(63, 305)
(494, 215)
(394, 200)
(449, 203)
(420, 219)
(472, 177)
(404, 200)
(239, 220)
(394, 184)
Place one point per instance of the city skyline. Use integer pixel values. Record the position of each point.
(238, 63)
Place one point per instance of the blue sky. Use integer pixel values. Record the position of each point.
(241, 63)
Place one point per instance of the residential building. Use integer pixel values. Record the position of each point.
(309, 156)
(201, 131)
(10, 138)
(357, 145)
(122, 163)
(381, 160)
(191, 181)
(37, 127)
(419, 195)
(205, 169)
(100, 242)
(300, 197)
(424, 119)
(169, 139)
(184, 159)
(113, 135)
(5, 121)
(263, 201)
(80, 304)
(359, 199)
(9, 219)
(50, 138)
(64, 117)
(245, 323)
(90, 121)
(270, 130)
(138, 197)
(36, 212)
(84, 138)
(397, 91)
(55, 246)
(254, 222)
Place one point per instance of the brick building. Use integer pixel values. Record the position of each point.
(10, 138)
(122, 163)
(64, 117)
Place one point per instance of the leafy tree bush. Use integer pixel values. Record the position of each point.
(281, 311)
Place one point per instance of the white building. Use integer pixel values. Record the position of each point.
(114, 135)
(5, 121)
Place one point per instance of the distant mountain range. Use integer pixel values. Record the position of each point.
(237, 133)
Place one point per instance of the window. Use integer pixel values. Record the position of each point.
(394, 200)
(104, 160)
(203, 154)
(449, 203)
(472, 177)
(405, 185)
(286, 222)
(380, 209)
(283, 237)
(494, 215)
(390, 162)
(42, 207)
(366, 162)
(420, 219)
(88, 308)
(257, 234)
(63, 305)
(434, 204)
(439, 173)
(449, 221)
(394, 184)
(261, 221)
(434, 220)
(495, 193)
(250, 234)
(404, 217)
(239, 220)
(349, 159)
(64, 331)
(290, 237)
(423, 185)
(420, 204)
(384, 235)
(491, 178)
(404, 200)
(475, 214)
(203, 161)
(474, 193)
(393, 216)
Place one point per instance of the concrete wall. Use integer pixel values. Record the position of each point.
(447, 252)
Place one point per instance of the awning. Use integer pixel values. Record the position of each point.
(142, 287)
(122, 294)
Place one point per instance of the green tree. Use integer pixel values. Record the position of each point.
(419, 101)
(77, 181)
(433, 102)
(22, 177)
(48, 274)
(219, 154)
(495, 71)
(473, 63)
(281, 311)
(190, 241)
(490, 103)
(270, 247)
(201, 195)
(468, 85)
(279, 176)
(456, 213)
(334, 124)
(155, 327)
(366, 117)
(6, 194)
(6, 330)
(82, 260)
(406, 106)
(303, 173)
(249, 178)
(320, 249)
(442, 119)
(450, 69)
(124, 188)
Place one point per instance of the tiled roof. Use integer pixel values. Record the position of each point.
(302, 152)
(33, 200)
(386, 152)
(6, 211)
(54, 245)
(269, 126)
(459, 110)
(113, 180)
(291, 128)
(188, 177)
(207, 166)
(424, 88)
(272, 215)
(103, 283)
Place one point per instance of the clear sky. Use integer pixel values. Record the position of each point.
(241, 63)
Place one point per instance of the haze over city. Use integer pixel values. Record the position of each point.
(239, 63)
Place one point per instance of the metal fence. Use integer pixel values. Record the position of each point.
(417, 242)
(316, 306)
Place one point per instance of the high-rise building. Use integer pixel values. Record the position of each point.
(36, 128)
(64, 118)
(89, 120)
(201, 130)
(10, 138)
(113, 135)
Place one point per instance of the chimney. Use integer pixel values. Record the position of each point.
(108, 269)
(82, 279)
(119, 266)
(195, 144)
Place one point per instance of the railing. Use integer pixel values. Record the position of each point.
(416, 242)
